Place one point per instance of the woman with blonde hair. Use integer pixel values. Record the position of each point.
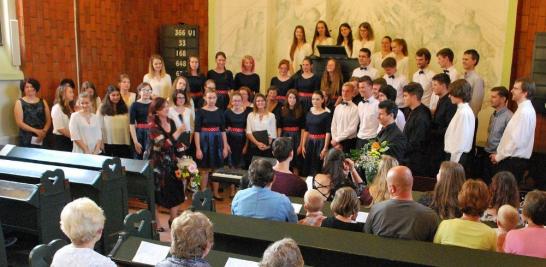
(89, 88)
(378, 188)
(299, 49)
(60, 116)
(83, 222)
(345, 207)
(192, 238)
(332, 80)
(247, 77)
(181, 83)
(157, 77)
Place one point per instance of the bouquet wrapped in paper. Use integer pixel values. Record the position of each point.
(187, 169)
(368, 157)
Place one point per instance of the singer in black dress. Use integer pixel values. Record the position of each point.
(306, 83)
(316, 136)
(235, 118)
(223, 79)
(291, 124)
(283, 82)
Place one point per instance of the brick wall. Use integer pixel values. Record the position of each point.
(530, 20)
(115, 36)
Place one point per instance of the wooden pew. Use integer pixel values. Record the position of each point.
(3, 256)
(126, 250)
(140, 181)
(35, 208)
(108, 188)
(332, 247)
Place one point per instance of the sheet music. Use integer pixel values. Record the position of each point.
(234, 262)
(297, 207)
(6, 149)
(361, 217)
(150, 253)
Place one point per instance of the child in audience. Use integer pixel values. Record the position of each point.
(345, 207)
(313, 204)
(507, 219)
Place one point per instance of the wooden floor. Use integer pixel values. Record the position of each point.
(223, 206)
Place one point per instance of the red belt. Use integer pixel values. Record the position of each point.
(281, 97)
(196, 94)
(236, 130)
(213, 129)
(303, 94)
(146, 125)
(291, 129)
(222, 92)
(317, 136)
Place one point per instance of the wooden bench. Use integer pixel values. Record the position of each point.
(35, 208)
(140, 181)
(108, 188)
(3, 255)
(332, 247)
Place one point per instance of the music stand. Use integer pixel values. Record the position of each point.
(332, 51)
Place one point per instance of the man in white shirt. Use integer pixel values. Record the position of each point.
(395, 80)
(367, 113)
(470, 61)
(516, 145)
(445, 60)
(345, 120)
(365, 69)
(424, 75)
(460, 132)
(377, 84)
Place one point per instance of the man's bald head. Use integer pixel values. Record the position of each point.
(400, 181)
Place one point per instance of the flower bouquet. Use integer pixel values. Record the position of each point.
(187, 169)
(367, 158)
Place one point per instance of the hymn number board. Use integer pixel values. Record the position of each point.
(177, 43)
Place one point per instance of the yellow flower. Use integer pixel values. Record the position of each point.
(376, 146)
(177, 173)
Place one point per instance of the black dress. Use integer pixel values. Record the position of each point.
(317, 126)
(196, 85)
(210, 125)
(332, 222)
(224, 82)
(33, 116)
(282, 87)
(305, 88)
(251, 81)
(169, 190)
(236, 137)
(291, 127)
(417, 131)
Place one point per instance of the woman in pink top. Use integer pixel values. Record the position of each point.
(530, 241)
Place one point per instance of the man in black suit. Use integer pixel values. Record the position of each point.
(417, 129)
(396, 140)
(445, 110)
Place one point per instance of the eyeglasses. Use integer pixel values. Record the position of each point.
(146, 90)
(181, 97)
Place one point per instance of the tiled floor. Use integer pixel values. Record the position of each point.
(221, 207)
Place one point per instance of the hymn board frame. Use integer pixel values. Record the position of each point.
(176, 44)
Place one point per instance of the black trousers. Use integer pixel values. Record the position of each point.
(517, 166)
(466, 161)
(62, 143)
(120, 151)
(348, 144)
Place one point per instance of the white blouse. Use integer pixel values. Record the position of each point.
(402, 67)
(460, 132)
(188, 118)
(357, 45)
(88, 132)
(161, 87)
(59, 118)
(299, 55)
(377, 59)
(327, 41)
(115, 129)
(268, 122)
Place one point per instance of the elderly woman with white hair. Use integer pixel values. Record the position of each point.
(282, 253)
(192, 238)
(82, 221)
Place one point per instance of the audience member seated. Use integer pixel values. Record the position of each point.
(191, 240)
(345, 208)
(507, 220)
(285, 181)
(379, 191)
(443, 199)
(82, 221)
(335, 174)
(258, 201)
(529, 241)
(313, 202)
(283, 253)
(401, 217)
(503, 190)
(468, 231)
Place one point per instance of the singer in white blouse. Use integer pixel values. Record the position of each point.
(460, 132)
